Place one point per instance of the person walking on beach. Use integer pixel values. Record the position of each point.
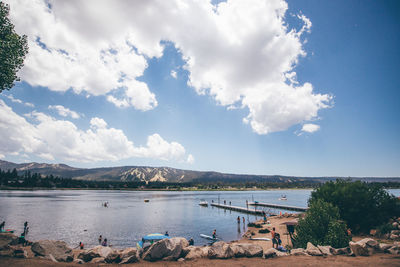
(100, 239)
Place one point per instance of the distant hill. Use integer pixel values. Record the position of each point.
(162, 174)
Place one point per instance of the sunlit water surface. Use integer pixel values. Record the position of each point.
(77, 215)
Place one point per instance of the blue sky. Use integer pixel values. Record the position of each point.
(234, 104)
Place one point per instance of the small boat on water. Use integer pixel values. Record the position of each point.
(203, 203)
(209, 237)
(150, 238)
(7, 231)
(283, 197)
(147, 200)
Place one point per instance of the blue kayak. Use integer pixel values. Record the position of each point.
(150, 238)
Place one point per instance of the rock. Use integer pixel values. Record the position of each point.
(394, 250)
(59, 250)
(96, 252)
(7, 239)
(167, 248)
(395, 224)
(51, 257)
(7, 251)
(395, 232)
(326, 250)
(384, 247)
(359, 249)
(341, 251)
(98, 260)
(270, 253)
(113, 257)
(298, 252)
(246, 250)
(394, 237)
(313, 250)
(220, 250)
(129, 255)
(369, 242)
(193, 252)
(181, 259)
(79, 261)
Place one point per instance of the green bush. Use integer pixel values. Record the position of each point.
(385, 228)
(361, 205)
(321, 226)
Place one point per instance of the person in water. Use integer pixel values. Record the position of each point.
(243, 220)
(2, 225)
(238, 219)
(191, 241)
(100, 239)
(166, 233)
(214, 235)
(104, 244)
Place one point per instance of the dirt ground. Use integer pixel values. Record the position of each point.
(292, 261)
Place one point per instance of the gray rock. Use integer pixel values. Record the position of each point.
(395, 232)
(395, 224)
(395, 250)
(220, 250)
(270, 253)
(7, 251)
(384, 247)
(19, 252)
(298, 252)
(96, 252)
(359, 249)
(246, 250)
(79, 261)
(166, 248)
(7, 239)
(313, 250)
(341, 251)
(129, 255)
(193, 252)
(369, 242)
(59, 250)
(98, 260)
(113, 257)
(326, 250)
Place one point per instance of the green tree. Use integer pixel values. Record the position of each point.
(361, 205)
(321, 226)
(13, 49)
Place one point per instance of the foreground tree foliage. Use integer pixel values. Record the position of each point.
(321, 226)
(361, 205)
(13, 49)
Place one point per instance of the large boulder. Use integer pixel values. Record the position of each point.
(98, 260)
(298, 252)
(220, 250)
(359, 249)
(192, 252)
(96, 252)
(129, 255)
(369, 242)
(313, 250)
(341, 251)
(272, 253)
(326, 250)
(20, 252)
(167, 249)
(384, 247)
(7, 251)
(246, 250)
(58, 249)
(394, 250)
(7, 239)
(113, 257)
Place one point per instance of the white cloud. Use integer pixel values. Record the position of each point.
(242, 53)
(19, 101)
(65, 112)
(54, 139)
(173, 74)
(310, 128)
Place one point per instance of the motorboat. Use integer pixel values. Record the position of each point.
(150, 238)
(203, 203)
(283, 197)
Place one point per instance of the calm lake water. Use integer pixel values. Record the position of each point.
(74, 216)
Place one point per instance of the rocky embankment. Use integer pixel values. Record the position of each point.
(178, 249)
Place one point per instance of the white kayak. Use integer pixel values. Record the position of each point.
(208, 237)
(260, 239)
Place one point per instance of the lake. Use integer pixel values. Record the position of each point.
(78, 215)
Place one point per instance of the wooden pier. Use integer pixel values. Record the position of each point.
(239, 209)
(276, 206)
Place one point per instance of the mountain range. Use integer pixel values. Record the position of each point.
(161, 174)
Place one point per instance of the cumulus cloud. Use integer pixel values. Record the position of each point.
(53, 139)
(309, 128)
(242, 53)
(65, 112)
(173, 74)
